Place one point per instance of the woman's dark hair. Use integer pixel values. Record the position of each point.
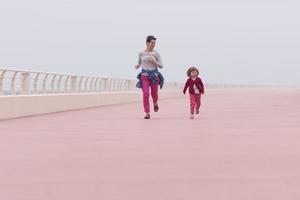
(188, 73)
(149, 38)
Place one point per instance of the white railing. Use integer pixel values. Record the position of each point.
(24, 82)
(15, 82)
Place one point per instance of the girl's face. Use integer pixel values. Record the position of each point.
(151, 44)
(194, 74)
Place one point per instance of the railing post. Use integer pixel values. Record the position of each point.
(59, 84)
(1, 82)
(113, 87)
(25, 83)
(44, 84)
(129, 85)
(66, 84)
(105, 84)
(12, 84)
(85, 84)
(96, 84)
(91, 84)
(100, 84)
(35, 84)
(74, 84)
(80, 84)
(52, 84)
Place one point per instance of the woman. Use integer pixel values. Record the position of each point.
(149, 60)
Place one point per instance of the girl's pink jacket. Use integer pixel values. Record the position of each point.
(190, 84)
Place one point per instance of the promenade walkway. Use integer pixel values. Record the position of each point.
(244, 145)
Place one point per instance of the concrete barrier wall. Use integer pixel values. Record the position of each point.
(28, 105)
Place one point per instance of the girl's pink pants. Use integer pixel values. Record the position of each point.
(195, 102)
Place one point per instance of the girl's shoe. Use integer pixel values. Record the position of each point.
(192, 116)
(156, 108)
(147, 116)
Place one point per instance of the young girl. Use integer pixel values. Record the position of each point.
(196, 89)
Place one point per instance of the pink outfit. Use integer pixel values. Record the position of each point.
(196, 89)
(195, 102)
(154, 92)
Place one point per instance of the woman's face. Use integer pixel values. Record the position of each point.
(151, 44)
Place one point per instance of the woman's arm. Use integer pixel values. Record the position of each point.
(139, 61)
(157, 60)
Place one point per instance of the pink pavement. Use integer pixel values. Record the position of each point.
(244, 145)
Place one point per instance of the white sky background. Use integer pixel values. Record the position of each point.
(242, 42)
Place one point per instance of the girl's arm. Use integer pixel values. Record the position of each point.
(201, 85)
(187, 84)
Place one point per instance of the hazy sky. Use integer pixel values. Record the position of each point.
(250, 41)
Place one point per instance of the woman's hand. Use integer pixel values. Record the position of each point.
(136, 66)
(153, 60)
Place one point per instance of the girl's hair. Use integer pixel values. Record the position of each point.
(149, 38)
(188, 72)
